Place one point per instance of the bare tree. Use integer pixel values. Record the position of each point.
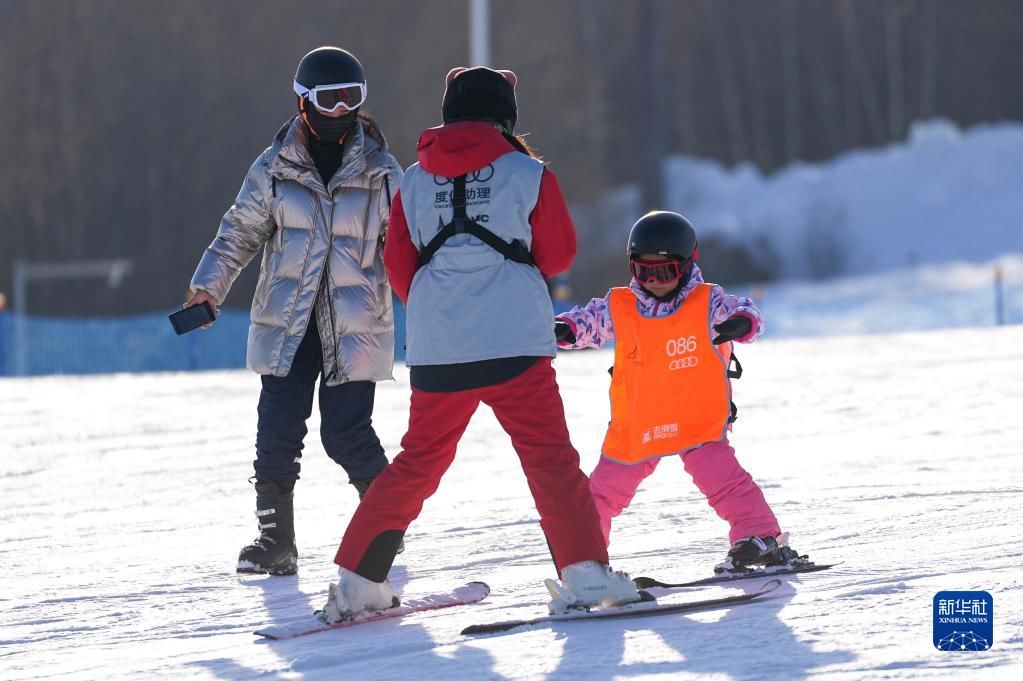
(652, 132)
(727, 77)
(593, 30)
(751, 58)
(858, 62)
(895, 12)
(791, 79)
(929, 53)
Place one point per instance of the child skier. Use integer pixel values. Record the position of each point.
(670, 391)
(475, 228)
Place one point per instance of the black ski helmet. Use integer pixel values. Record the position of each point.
(664, 233)
(328, 66)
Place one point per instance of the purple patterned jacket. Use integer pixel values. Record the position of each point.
(592, 326)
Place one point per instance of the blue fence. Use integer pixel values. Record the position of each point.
(31, 346)
(38, 345)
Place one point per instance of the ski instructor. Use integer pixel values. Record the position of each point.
(477, 225)
(317, 201)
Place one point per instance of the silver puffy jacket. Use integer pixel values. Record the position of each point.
(322, 252)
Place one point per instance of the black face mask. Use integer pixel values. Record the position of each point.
(329, 130)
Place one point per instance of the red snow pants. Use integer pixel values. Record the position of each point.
(530, 410)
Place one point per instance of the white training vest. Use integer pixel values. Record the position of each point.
(469, 303)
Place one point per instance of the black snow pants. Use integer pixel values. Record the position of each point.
(346, 426)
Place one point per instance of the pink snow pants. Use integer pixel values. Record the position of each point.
(729, 489)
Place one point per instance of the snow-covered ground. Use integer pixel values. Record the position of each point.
(125, 502)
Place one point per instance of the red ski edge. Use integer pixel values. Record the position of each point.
(473, 592)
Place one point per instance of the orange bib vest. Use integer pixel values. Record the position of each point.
(669, 391)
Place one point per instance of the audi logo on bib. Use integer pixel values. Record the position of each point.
(683, 363)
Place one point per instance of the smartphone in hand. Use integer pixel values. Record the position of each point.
(191, 318)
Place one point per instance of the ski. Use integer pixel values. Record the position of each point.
(641, 609)
(751, 573)
(473, 592)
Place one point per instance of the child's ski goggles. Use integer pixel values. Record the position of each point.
(330, 98)
(664, 271)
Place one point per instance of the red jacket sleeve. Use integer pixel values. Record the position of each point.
(401, 258)
(553, 231)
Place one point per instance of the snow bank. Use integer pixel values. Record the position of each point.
(943, 194)
(942, 296)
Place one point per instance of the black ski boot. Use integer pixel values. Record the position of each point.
(361, 486)
(758, 551)
(273, 552)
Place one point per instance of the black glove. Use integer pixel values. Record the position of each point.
(732, 328)
(563, 332)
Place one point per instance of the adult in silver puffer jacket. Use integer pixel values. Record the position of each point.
(317, 202)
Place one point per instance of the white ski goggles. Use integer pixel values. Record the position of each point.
(330, 98)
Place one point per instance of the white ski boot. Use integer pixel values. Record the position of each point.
(354, 594)
(589, 584)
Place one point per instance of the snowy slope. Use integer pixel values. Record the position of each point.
(125, 502)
